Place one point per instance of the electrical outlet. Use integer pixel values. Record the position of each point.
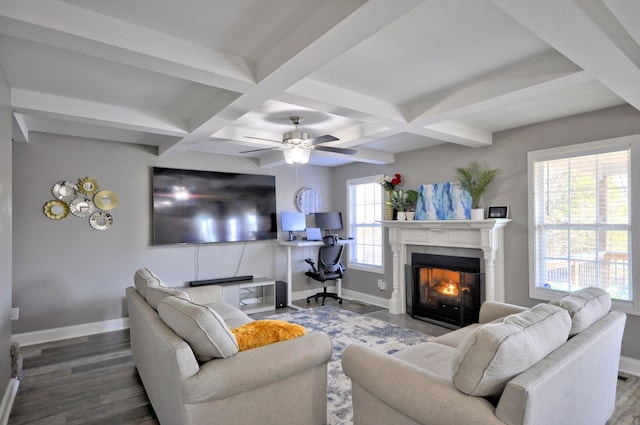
(15, 313)
(382, 285)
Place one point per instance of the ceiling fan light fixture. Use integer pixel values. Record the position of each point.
(296, 155)
(295, 137)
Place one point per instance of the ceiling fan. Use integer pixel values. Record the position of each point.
(298, 140)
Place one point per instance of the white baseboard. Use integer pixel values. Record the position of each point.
(630, 366)
(347, 294)
(56, 334)
(366, 298)
(7, 400)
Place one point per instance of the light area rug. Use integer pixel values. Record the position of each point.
(345, 327)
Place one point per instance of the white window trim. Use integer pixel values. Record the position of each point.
(602, 146)
(359, 266)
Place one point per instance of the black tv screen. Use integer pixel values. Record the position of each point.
(209, 206)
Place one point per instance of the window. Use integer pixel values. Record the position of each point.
(365, 205)
(580, 228)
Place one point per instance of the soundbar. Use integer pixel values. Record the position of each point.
(221, 280)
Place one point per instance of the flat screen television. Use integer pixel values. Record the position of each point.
(329, 221)
(208, 206)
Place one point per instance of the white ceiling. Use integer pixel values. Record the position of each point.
(384, 76)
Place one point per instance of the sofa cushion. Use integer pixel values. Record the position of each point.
(144, 278)
(263, 332)
(585, 307)
(496, 352)
(155, 294)
(202, 328)
(232, 316)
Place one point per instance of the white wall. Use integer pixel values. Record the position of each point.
(5, 233)
(65, 273)
(509, 153)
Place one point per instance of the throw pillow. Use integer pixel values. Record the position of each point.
(585, 307)
(202, 328)
(262, 332)
(488, 358)
(144, 278)
(155, 294)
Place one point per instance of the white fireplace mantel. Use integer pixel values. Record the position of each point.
(486, 235)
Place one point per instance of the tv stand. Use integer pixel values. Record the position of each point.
(254, 296)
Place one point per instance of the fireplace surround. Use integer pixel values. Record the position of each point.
(485, 235)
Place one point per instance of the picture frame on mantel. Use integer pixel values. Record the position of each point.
(498, 211)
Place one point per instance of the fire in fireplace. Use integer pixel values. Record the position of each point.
(446, 290)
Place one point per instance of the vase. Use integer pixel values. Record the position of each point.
(388, 209)
(477, 214)
(402, 216)
(410, 215)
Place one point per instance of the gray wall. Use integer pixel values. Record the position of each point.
(509, 152)
(5, 233)
(65, 273)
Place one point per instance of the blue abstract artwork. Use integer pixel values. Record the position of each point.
(443, 201)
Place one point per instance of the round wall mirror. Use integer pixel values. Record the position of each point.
(56, 210)
(105, 200)
(64, 191)
(88, 186)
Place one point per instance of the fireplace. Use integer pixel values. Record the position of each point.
(484, 235)
(443, 289)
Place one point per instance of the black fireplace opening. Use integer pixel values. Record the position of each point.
(446, 290)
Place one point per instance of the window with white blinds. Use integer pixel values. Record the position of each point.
(580, 227)
(365, 207)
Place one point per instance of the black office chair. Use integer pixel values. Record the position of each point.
(330, 267)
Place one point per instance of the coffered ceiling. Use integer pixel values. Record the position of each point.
(385, 76)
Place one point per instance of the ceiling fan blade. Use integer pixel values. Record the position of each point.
(321, 139)
(262, 138)
(345, 151)
(260, 150)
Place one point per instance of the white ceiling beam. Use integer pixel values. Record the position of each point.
(68, 27)
(628, 13)
(372, 17)
(458, 133)
(536, 76)
(20, 128)
(98, 113)
(566, 27)
(314, 94)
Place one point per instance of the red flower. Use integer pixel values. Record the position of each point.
(396, 179)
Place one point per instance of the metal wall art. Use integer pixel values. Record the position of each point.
(84, 199)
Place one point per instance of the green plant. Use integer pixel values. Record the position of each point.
(402, 200)
(474, 178)
(396, 199)
(411, 199)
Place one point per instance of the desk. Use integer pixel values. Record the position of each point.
(298, 244)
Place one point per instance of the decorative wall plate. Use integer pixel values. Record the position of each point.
(64, 191)
(82, 207)
(88, 186)
(105, 200)
(308, 200)
(101, 220)
(56, 210)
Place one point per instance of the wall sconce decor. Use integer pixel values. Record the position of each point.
(84, 199)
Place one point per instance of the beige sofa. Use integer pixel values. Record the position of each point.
(280, 383)
(515, 367)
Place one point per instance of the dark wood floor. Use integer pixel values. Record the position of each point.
(92, 380)
(88, 380)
